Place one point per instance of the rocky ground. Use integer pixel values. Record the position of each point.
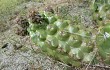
(19, 53)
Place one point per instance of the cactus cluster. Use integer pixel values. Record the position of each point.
(68, 41)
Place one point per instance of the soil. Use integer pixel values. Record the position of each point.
(19, 53)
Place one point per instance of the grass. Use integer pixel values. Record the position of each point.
(7, 7)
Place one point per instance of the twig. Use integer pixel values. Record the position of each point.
(106, 67)
(92, 59)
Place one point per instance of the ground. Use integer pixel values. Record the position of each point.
(19, 53)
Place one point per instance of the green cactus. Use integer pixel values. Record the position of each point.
(101, 16)
(61, 39)
(70, 43)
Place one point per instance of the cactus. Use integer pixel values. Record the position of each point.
(61, 39)
(68, 41)
(101, 15)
